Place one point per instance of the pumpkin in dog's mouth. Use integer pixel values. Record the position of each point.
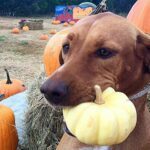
(107, 121)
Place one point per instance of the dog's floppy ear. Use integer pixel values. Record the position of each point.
(61, 61)
(144, 44)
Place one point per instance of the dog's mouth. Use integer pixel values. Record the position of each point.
(72, 102)
(65, 128)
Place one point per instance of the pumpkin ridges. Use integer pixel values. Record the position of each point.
(8, 132)
(8, 77)
(109, 116)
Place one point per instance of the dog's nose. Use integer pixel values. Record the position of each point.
(54, 91)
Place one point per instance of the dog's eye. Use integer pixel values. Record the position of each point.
(104, 53)
(66, 48)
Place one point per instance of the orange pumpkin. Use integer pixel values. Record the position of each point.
(10, 87)
(139, 15)
(25, 28)
(53, 31)
(65, 24)
(15, 31)
(52, 50)
(58, 22)
(8, 133)
(55, 22)
(44, 37)
(72, 22)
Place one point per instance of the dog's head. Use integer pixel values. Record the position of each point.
(103, 49)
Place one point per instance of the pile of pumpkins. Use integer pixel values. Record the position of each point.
(8, 132)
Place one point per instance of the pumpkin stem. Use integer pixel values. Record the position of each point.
(98, 91)
(8, 77)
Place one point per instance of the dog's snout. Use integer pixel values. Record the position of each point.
(43, 89)
(59, 91)
(54, 91)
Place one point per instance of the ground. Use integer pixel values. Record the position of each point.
(22, 53)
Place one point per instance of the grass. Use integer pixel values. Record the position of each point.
(23, 43)
(22, 53)
(2, 38)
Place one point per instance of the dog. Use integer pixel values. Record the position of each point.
(107, 50)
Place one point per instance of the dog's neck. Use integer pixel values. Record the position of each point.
(141, 93)
(139, 139)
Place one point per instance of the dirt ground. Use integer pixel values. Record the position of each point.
(22, 53)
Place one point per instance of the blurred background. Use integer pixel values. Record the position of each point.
(47, 7)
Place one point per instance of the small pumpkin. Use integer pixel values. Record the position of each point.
(53, 31)
(25, 28)
(72, 22)
(139, 15)
(44, 37)
(109, 121)
(55, 22)
(58, 21)
(10, 87)
(15, 31)
(52, 51)
(8, 132)
(65, 24)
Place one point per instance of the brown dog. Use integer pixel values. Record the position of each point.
(103, 49)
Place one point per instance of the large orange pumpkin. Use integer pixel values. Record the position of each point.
(52, 50)
(8, 133)
(139, 15)
(10, 87)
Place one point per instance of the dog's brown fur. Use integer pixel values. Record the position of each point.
(126, 71)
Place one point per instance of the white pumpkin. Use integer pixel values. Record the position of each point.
(107, 123)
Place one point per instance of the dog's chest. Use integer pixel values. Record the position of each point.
(96, 148)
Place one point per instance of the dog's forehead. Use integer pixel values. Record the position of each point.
(104, 23)
(104, 27)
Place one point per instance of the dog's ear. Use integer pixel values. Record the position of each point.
(143, 41)
(61, 61)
